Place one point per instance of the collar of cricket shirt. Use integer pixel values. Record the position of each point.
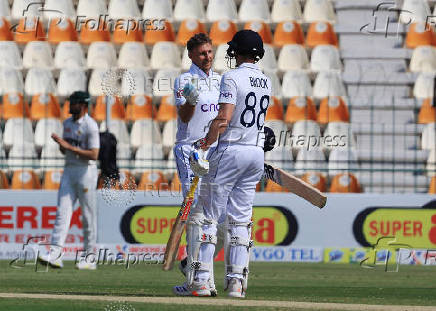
(196, 70)
(249, 65)
(80, 120)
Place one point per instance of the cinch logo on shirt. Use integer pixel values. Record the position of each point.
(226, 95)
(209, 107)
(179, 93)
(258, 82)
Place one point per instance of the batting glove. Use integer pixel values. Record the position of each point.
(199, 164)
(191, 94)
(270, 139)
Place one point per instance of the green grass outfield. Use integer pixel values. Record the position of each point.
(308, 282)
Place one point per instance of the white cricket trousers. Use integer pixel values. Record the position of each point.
(181, 155)
(77, 182)
(229, 190)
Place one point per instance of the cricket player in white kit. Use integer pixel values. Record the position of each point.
(196, 95)
(80, 143)
(234, 168)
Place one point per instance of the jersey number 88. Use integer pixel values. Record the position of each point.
(250, 110)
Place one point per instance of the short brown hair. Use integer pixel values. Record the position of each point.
(197, 40)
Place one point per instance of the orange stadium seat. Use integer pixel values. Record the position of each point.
(275, 110)
(345, 183)
(44, 106)
(300, 108)
(419, 34)
(333, 109)
(14, 106)
(153, 180)
(427, 113)
(167, 109)
(66, 110)
(321, 33)
(117, 108)
(156, 35)
(4, 184)
(187, 29)
(93, 31)
(222, 32)
(316, 179)
(52, 180)
(288, 33)
(61, 29)
(432, 188)
(5, 30)
(140, 107)
(29, 29)
(25, 179)
(262, 29)
(273, 187)
(130, 30)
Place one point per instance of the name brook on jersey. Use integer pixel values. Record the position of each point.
(259, 82)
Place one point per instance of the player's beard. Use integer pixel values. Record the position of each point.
(206, 66)
(75, 109)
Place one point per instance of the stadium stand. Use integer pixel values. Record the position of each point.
(220, 10)
(52, 180)
(283, 10)
(288, 32)
(133, 55)
(316, 179)
(43, 130)
(10, 55)
(25, 180)
(60, 30)
(157, 9)
(328, 81)
(299, 109)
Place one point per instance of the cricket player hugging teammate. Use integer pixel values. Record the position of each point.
(231, 171)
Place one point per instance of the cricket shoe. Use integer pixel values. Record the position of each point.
(51, 258)
(235, 289)
(84, 265)
(200, 289)
(180, 290)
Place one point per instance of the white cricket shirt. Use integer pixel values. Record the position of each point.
(249, 90)
(82, 133)
(206, 108)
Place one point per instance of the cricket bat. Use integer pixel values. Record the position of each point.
(178, 228)
(295, 185)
